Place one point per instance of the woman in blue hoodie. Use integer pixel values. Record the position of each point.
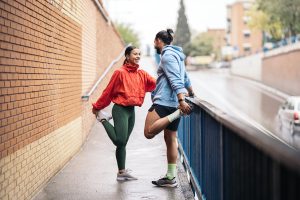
(172, 85)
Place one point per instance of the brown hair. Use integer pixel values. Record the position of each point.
(127, 52)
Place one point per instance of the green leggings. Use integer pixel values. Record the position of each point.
(124, 118)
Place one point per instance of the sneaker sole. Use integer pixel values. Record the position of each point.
(126, 179)
(166, 185)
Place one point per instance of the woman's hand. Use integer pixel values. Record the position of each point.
(95, 112)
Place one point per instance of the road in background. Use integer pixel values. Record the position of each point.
(243, 99)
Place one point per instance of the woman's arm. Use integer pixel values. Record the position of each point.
(150, 82)
(108, 93)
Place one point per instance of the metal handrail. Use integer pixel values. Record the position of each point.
(86, 96)
(101, 9)
(267, 143)
(227, 158)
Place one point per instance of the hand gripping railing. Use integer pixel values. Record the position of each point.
(87, 95)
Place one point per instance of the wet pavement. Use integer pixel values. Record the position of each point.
(91, 174)
(254, 103)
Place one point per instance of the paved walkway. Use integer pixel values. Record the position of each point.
(91, 174)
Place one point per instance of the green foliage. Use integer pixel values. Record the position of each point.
(260, 20)
(201, 45)
(286, 11)
(128, 34)
(182, 33)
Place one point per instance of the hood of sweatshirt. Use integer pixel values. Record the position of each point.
(174, 49)
(131, 67)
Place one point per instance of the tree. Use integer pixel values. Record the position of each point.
(182, 32)
(128, 34)
(201, 45)
(286, 11)
(260, 20)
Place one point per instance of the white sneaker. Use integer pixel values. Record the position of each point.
(103, 116)
(125, 176)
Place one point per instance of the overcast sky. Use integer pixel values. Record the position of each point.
(147, 17)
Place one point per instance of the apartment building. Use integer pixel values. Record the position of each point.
(219, 40)
(239, 36)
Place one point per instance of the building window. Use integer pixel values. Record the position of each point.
(246, 19)
(247, 47)
(247, 33)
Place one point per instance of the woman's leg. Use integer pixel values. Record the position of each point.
(119, 133)
(121, 117)
(110, 130)
(131, 122)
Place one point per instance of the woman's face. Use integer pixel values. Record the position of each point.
(135, 56)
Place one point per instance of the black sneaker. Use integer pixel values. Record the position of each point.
(165, 182)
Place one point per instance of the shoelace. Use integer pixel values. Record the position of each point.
(128, 171)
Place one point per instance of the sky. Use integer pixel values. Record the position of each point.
(147, 17)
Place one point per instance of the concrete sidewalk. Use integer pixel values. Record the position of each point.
(91, 174)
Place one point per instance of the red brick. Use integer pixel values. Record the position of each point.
(2, 147)
(4, 153)
(10, 150)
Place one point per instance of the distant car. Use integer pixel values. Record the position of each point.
(215, 65)
(225, 64)
(289, 114)
(221, 64)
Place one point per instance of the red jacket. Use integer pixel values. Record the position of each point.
(126, 87)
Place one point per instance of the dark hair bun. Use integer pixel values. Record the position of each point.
(165, 36)
(171, 32)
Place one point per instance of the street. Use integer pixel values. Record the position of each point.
(243, 99)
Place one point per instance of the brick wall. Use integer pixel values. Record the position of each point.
(52, 52)
(96, 33)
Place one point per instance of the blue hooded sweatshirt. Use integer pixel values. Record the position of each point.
(172, 77)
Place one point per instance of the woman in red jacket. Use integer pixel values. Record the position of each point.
(126, 89)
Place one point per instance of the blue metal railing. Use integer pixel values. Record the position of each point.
(282, 43)
(228, 159)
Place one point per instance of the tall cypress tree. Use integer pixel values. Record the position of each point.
(182, 32)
